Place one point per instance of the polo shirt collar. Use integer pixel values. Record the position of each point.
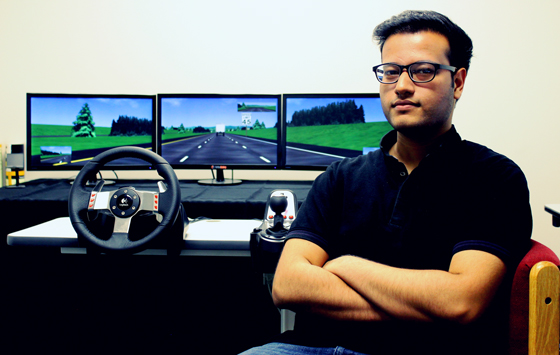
(449, 138)
(444, 147)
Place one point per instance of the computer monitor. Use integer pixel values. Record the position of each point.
(65, 131)
(323, 128)
(215, 131)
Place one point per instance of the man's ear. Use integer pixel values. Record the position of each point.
(459, 82)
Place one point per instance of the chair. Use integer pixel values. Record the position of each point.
(535, 303)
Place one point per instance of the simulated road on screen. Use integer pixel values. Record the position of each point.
(235, 149)
(220, 150)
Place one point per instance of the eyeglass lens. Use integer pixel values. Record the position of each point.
(419, 72)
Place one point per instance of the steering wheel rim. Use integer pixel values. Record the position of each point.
(165, 203)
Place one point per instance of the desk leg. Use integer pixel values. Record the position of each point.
(287, 319)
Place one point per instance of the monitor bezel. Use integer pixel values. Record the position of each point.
(285, 97)
(75, 167)
(218, 165)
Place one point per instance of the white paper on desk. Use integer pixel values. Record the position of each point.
(222, 229)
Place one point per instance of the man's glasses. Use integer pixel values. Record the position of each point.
(419, 72)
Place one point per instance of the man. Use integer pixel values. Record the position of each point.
(409, 249)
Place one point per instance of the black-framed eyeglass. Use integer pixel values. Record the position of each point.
(419, 72)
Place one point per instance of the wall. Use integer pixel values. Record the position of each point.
(246, 46)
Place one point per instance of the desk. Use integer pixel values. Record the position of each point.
(209, 302)
(207, 237)
(47, 199)
(63, 300)
(203, 238)
(554, 209)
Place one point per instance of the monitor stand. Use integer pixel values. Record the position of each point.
(219, 179)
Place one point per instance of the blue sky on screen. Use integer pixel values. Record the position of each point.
(372, 106)
(63, 110)
(208, 112)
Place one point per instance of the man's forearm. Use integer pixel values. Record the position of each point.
(303, 285)
(383, 286)
(425, 294)
(320, 292)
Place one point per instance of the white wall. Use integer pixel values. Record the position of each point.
(248, 46)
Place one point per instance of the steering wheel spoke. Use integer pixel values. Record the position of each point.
(119, 239)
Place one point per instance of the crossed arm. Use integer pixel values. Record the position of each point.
(352, 288)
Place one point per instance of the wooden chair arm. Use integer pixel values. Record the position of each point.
(544, 308)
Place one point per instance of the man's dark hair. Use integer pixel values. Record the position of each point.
(460, 43)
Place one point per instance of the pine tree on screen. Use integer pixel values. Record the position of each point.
(84, 125)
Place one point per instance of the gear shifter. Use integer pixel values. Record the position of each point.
(278, 205)
(268, 240)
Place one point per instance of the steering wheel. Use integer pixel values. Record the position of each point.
(125, 203)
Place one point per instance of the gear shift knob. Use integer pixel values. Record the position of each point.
(278, 204)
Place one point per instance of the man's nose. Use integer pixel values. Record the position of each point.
(404, 84)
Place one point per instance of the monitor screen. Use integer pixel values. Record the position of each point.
(65, 131)
(227, 131)
(323, 128)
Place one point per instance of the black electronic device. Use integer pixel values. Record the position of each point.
(17, 148)
(124, 219)
(219, 132)
(320, 129)
(268, 240)
(65, 131)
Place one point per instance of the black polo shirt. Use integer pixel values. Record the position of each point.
(462, 196)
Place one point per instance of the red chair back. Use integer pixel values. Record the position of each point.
(519, 303)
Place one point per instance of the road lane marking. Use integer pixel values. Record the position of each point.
(86, 159)
(179, 140)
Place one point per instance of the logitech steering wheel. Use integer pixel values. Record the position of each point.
(124, 203)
